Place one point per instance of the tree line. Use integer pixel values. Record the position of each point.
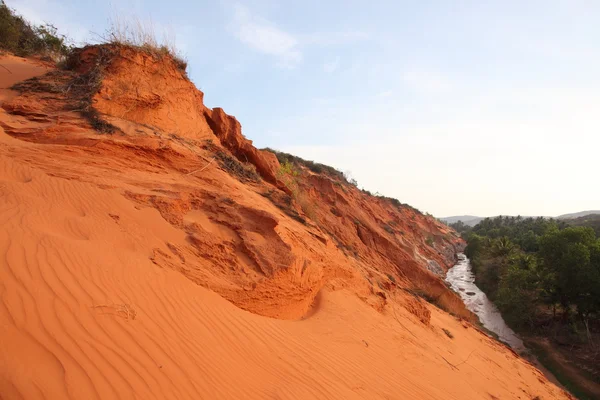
(540, 273)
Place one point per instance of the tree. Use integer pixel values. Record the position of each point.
(460, 226)
(529, 242)
(502, 247)
(567, 258)
(475, 244)
(517, 294)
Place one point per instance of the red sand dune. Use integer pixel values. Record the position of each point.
(147, 264)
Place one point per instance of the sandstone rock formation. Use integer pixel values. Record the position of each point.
(172, 259)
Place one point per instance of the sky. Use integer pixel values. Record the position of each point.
(455, 107)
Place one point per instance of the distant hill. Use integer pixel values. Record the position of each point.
(591, 220)
(578, 214)
(470, 220)
(473, 220)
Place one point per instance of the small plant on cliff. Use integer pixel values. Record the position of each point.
(287, 168)
(448, 333)
(350, 179)
(429, 241)
(288, 174)
(392, 278)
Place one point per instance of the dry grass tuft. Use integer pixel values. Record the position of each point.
(83, 87)
(245, 172)
(142, 35)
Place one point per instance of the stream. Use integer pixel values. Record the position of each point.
(462, 281)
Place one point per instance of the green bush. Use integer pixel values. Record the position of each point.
(22, 38)
(288, 168)
(288, 174)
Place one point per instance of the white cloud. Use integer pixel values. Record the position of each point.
(425, 81)
(265, 37)
(331, 66)
(385, 93)
(334, 38)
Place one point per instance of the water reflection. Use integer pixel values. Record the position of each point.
(462, 280)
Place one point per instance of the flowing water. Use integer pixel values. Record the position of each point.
(462, 280)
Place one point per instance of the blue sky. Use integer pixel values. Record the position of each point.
(455, 107)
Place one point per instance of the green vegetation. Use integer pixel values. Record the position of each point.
(460, 227)
(397, 203)
(528, 264)
(544, 276)
(555, 368)
(25, 39)
(287, 168)
(292, 160)
(288, 174)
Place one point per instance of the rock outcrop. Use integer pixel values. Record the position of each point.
(381, 237)
(229, 131)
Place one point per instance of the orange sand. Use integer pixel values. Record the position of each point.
(122, 275)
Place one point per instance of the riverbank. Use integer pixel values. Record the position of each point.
(567, 376)
(462, 281)
(539, 351)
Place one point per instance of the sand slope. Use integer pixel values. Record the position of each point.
(97, 304)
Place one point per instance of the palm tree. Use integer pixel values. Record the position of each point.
(502, 246)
